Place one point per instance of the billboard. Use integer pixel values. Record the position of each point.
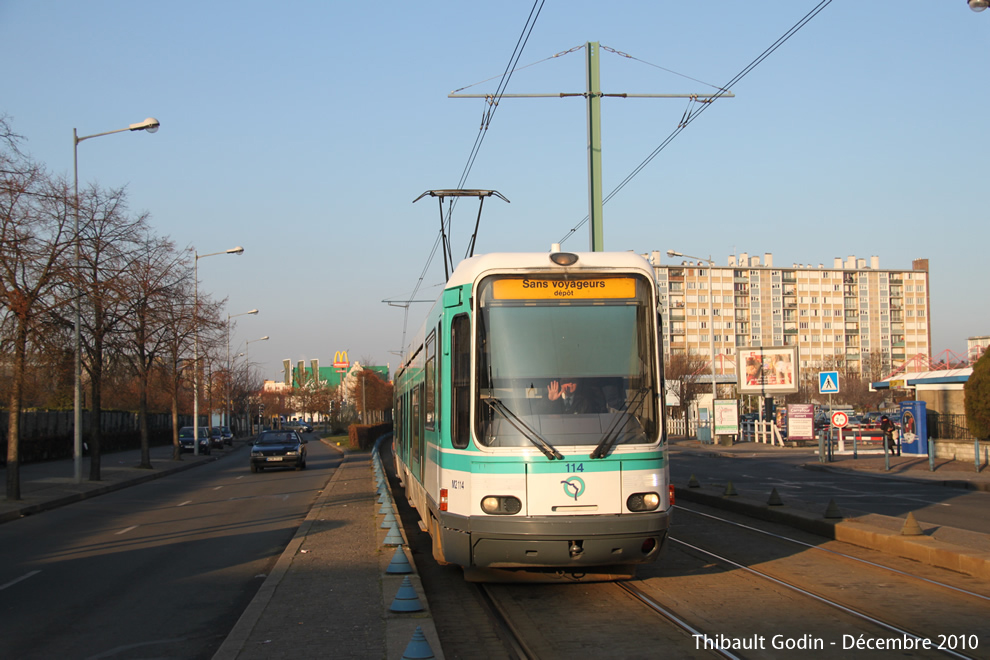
(726, 417)
(767, 370)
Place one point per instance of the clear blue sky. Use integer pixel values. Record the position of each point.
(303, 131)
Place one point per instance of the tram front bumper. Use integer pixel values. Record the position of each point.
(568, 542)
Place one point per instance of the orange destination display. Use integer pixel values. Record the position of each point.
(564, 288)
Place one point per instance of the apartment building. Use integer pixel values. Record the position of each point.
(853, 315)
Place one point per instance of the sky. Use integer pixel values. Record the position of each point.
(304, 130)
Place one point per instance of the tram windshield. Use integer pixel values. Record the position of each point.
(565, 362)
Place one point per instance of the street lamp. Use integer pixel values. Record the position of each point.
(711, 307)
(236, 250)
(247, 363)
(978, 5)
(226, 407)
(150, 125)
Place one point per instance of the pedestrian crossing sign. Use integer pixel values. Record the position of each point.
(828, 382)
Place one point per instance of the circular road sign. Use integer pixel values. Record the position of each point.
(840, 419)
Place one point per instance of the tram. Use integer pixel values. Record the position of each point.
(529, 420)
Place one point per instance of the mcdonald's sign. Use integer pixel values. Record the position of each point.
(340, 360)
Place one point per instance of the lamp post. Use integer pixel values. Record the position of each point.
(236, 250)
(711, 308)
(226, 407)
(247, 363)
(150, 125)
(978, 5)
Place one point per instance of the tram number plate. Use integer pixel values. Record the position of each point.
(274, 458)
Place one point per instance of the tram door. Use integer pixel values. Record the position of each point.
(416, 424)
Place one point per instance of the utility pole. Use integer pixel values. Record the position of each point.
(593, 94)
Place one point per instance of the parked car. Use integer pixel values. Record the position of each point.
(284, 448)
(216, 437)
(186, 442)
(228, 435)
(298, 425)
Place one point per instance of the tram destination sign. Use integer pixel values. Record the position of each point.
(561, 288)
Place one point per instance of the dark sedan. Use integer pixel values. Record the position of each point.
(278, 449)
(186, 439)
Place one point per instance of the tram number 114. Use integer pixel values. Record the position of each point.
(575, 467)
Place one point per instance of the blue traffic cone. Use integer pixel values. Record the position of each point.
(419, 648)
(406, 600)
(393, 537)
(399, 564)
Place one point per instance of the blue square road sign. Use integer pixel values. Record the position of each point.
(828, 382)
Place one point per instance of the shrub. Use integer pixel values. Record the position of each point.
(977, 398)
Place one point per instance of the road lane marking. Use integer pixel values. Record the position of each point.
(218, 487)
(186, 502)
(125, 530)
(23, 577)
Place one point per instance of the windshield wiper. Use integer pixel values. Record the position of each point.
(608, 440)
(549, 450)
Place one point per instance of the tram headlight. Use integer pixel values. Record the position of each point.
(501, 505)
(564, 258)
(643, 501)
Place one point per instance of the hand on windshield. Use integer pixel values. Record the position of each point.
(553, 390)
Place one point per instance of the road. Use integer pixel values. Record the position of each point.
(854, 494)
(163, 569)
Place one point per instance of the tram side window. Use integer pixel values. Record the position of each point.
(460, 365)
(430, 377)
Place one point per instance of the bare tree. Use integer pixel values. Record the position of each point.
(35, 234)
(110, 242)
(152, 279)
(681, 374)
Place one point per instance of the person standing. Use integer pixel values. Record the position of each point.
(887, 428)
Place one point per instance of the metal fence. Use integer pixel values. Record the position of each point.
(942, 426)
(48, 434)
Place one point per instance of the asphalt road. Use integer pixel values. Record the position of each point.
(162, 569)
(854, 494)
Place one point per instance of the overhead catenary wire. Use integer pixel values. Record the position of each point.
(479, 139)
(691, 116)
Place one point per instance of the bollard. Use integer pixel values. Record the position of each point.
(388, 521)
(693, 482)
(393, 537)
(419, 648)
(775, 498)
(832, 510)
(730, 490)
(406, 600)
(911, 526)
(399, 564)
(886, 456)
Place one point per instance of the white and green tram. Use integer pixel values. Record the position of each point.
(529, 421)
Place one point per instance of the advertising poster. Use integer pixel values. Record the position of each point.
(726, 417)
(767, 370)
(800, 421)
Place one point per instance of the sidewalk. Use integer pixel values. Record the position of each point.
(956, 549)
(344, 586)
(52, 484)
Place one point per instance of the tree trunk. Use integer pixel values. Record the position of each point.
(176, 450)
(96, 405)
(143, 419)
(14, 415)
